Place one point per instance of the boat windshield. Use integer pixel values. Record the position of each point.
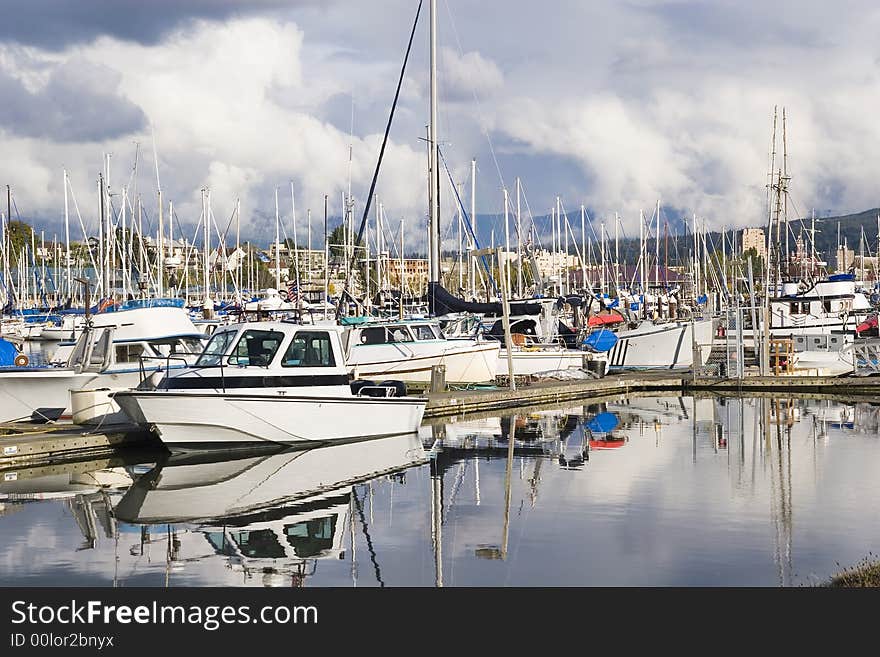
(216, 349)
(177, 346)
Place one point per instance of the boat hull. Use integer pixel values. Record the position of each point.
(662, 346)
(205, 419)
(26, 391)
(413, 362)
(547, 360)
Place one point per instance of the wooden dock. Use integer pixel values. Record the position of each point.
(850, 386)
(461, 402)
(44, 444)
(468, 402)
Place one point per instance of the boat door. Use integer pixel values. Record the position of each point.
(93, 351)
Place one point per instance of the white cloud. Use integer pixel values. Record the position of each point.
(645, 100)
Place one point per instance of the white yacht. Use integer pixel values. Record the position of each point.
(116, 351)
(827, 306)
(271, 382)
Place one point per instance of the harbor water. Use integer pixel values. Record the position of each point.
(646, 491)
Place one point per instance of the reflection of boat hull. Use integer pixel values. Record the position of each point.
(189, 488)
(187, 418)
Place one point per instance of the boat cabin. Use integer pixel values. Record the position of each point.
(122, 340)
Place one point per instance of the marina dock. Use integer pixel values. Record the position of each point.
(462, 402)
(43, 444)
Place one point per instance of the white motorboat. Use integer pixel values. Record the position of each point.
(117, 350)
(409, 349)
(271, 382)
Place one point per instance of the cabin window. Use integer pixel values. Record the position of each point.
(798, 308)
(256, 348)
(399, 334)
(216, 349)
(129, 353)
(309, 349)
(373, 335)
(424, 332)
(260, 543)
(310, 538)
(826, 304)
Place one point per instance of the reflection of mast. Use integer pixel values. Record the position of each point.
(370, 549)
(352, 541)
(534, 481)
(437, 520)
(780, 502)
(492, 552)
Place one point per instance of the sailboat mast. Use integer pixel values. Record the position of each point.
(101, 236)
(277, 245)
(472, 268)
(583, 247)
(66, 238)
(433, 162)
(506, 236)
(519, 249)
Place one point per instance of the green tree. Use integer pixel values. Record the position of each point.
(20, 236)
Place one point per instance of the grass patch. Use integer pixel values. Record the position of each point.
(865, 574)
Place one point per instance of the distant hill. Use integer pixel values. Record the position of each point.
(680, 246)
(851, 226)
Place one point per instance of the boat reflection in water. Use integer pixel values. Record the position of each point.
(564, 434)
(269, 512)
(638, 491)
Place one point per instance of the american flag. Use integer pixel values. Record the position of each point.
(292, 292)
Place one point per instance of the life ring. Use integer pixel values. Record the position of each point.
(21, 360)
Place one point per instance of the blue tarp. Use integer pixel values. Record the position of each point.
(603, 423)
(600, 341)
(8, 352)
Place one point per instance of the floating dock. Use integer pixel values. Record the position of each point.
(462, 402)
(467, 402)
(44, 444)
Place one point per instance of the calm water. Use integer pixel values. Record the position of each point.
(654, 491)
